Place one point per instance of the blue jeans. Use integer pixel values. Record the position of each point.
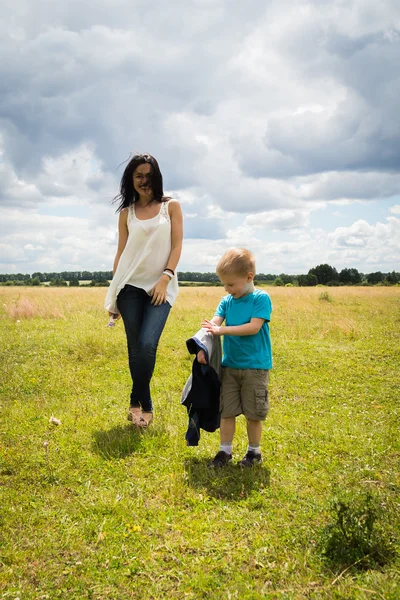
(144, 324)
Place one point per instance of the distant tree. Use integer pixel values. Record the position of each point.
(376, 277)
(74, 282)
(87, 275)
(99, 283)
(302, 280)
(349, 276)
(324, 273)
(18, 277)
(286, 278)
(40, 276)
(308, 280)
(198, 277)
(334, 283)
(278, 282)
(312, 279)
(101, 276)
(393, 277)
(266, 277)
(58, 282)
(35, 281)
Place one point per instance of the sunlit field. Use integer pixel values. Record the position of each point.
(91, 508)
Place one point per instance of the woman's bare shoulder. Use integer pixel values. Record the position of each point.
(123, 215)
(173, 205)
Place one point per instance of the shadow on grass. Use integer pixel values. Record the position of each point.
(228, 483)
(118, 442)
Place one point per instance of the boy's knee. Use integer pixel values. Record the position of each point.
(253, 421)
(228, 419)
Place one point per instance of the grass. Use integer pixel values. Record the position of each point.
(91, 508)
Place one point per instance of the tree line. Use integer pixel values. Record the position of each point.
(323, 274)
(71, 278)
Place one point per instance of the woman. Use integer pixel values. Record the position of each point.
(145, 285)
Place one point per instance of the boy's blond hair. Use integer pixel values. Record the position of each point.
(236, 261)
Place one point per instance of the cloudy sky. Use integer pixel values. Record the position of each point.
(276, 125)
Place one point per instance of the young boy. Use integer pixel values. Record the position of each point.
(247, 354)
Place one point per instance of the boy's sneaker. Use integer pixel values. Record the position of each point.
(221, 459)
(250, 459)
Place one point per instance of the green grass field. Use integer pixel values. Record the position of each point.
(91, 508)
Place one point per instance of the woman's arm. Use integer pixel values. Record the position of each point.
(175, 214)
(159, 291)
(122, 236)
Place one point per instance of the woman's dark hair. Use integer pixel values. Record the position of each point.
(127, 193)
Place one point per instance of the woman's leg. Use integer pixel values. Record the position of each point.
(154, 319)
(131, 303)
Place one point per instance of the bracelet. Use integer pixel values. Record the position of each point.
(168, 273)
(170, 270)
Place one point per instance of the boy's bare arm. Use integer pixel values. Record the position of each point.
(240, 330)
(201, 355)
(217, 320)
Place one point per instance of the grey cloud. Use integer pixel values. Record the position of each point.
(118, 82)
(113, 82)
(362, 132)
(345, 46)
(355, 185)
(354, 138)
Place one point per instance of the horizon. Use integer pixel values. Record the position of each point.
(258, 273)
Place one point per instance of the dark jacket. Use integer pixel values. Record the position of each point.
(201, 392)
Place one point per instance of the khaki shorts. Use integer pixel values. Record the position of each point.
(244, 391)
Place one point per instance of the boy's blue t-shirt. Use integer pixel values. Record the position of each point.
(247, 351)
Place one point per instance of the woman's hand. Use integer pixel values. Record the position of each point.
(211, 327)
(115, 316)
(159, 291)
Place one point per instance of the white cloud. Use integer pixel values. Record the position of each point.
(360, 245)
(54, 243)
(376, 244)
(278, 220)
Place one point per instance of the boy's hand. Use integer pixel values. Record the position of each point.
(211, 327)
(201, 357)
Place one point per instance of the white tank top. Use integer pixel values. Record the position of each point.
(144, 257)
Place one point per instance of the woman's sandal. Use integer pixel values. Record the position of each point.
(144, 422)
(134, 415)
